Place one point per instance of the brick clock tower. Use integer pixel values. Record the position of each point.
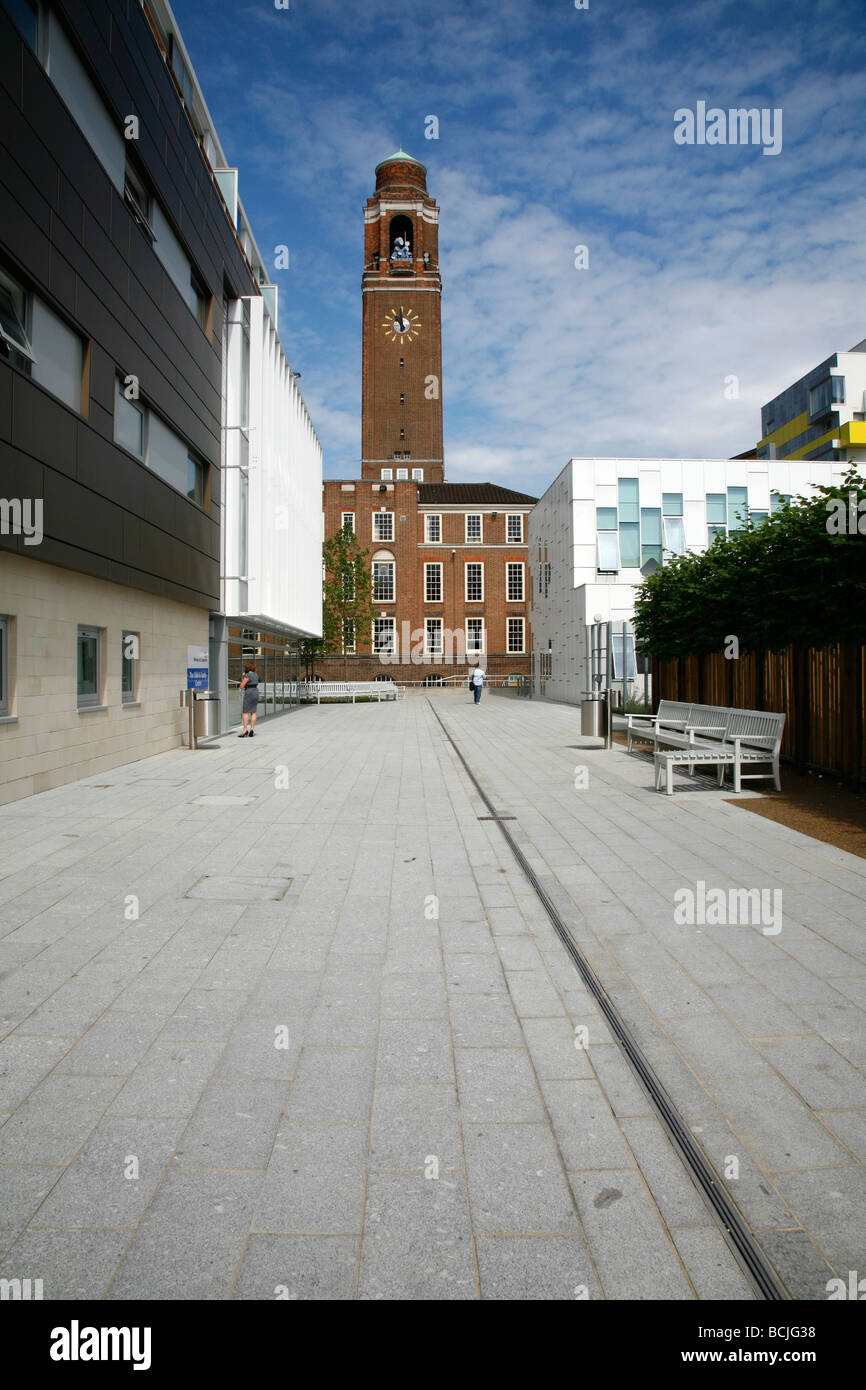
(449, 562)
(401, 412)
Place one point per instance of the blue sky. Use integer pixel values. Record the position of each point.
(556, 129)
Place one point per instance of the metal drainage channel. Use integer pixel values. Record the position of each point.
(733, 1226)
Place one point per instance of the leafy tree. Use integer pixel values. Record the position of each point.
(798, 578)
(347, 607)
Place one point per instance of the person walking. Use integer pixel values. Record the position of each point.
(478, 679)
(250, 686)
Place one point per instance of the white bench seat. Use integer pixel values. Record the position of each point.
(724, 738)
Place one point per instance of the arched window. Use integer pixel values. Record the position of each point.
(401, 238)
(383, 577)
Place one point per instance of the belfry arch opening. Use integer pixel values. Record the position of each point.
(401, 240)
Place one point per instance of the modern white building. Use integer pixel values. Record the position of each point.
(605, 523)
(271, 586)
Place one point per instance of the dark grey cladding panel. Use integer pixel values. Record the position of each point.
(109, 471)
(22, 476)
(62, 281)
(122, 225)
(38, 166)
(42, 427)
(18, 187)
(70, 209)
(78, 517)
(145, 266)
(104, 318)
(101, 422)
(23, 239)
(112, 268)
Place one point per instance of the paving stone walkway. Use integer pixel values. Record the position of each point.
(284, 1018)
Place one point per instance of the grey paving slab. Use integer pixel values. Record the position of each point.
(205, 1015)
(24, 1187)
(709, 1266)
(802, 1268)
(168, 1081)
(850, 1127)
(535, 1268)
(415, 1128)
(817, 1072)
(413, 994)
(72, 1264)
(263, 1047)
(113, 1176)
(676, 1196)
(774, 1126)
(234, 1125)
(633, 1253)
(56, 1119)
(534, 995)
(483, 1020)
(412, 1050)
(315, 1181)
(516, 1183)
(24, 1061)
(585, 1126)
(551, 1043)
(298, 1268)
(191, 1239)
(333, 1083)
(497, 1085)
(416, 1242)
(624, 1092)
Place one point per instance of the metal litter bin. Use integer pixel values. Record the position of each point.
(207, 714)
(592, 715)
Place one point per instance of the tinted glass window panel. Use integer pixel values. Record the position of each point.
(672, 503)
(72, 82)
(88, 666)
(717, 508)
(128, 423)
(606, 518)
(629, 542)
(628, 499)
(608, 551)
(738, 508)
(651, 525)
(59, 356)
(166, 454)
(675, 535)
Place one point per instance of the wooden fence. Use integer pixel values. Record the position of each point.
(822, 692)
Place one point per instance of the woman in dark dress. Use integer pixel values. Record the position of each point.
(250, 686)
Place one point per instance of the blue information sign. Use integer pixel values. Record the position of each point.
(196, 677)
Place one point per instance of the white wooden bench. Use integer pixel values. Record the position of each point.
(350, 690)
(670, 714)
(715, 736)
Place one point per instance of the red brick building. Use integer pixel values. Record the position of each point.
(449, 560)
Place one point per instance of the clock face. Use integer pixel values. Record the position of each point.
(402, 325)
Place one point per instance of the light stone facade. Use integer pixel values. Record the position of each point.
(46, 741)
